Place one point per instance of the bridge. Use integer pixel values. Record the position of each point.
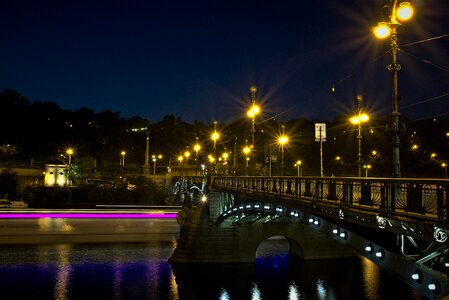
(399, 224)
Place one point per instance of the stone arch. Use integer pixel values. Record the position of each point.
(305, 242)
(294, 248)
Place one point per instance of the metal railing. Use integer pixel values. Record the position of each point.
(415, 198)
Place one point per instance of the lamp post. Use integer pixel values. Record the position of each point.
(122, 158)
(180, 159)
(358, 120)
(146, 165)
(252, 113)
(282, 141)
(444, 166)
(196, 148)
(298, 165)
(401, 12)
(246, 151)
(366, 167)
(155, 158)
(215, 136)
(70, 153)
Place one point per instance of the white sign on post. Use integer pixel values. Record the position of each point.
(320, 132)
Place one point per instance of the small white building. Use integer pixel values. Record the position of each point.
(56, 175)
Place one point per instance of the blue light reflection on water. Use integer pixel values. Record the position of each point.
(141, 271)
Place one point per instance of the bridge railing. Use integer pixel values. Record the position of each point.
(422, 198)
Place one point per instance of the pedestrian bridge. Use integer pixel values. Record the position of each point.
(399, 224)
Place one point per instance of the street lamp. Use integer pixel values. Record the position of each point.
(187, 155)
(358, 120)
(298, 165)
(282, 141)
(366, 167)
(444, 166)
(180, 159)
(215, 136)
(122, 158)
(253, 111)
(155, 158)
(70, 153)
(246, 151)
(403, 12)
(196, 148)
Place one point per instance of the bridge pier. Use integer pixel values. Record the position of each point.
(202, 240)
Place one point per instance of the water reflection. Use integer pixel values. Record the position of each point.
(293, 293)
(141, 271)
(255, 293)
(63, 272)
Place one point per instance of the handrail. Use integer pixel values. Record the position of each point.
(412, 197)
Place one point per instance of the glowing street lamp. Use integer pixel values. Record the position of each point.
(246, 151)
(366, 167)
(122, 158)
(383, 30)
(282, 141)
(196, 148)
(298, 165)
(215, 136)
(225, 156)
(444, 166)
(155, 158)
(253, 111)
(70, 152)
(358, 119)
(187, 155)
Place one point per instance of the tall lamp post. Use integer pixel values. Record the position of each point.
(214, 137)
(122, 158)
(388, 28)
(246, 151)
(253, 111)
(444, 166)
(146, 165)
(358, 120)
(155, 158)
(70, 153)
(282, 141)
(366, 167)
(196, 148)
(298, 165)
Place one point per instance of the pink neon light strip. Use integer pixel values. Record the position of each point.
(89, 215)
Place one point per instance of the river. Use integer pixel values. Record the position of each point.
(80, 268)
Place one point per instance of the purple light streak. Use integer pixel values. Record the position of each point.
(89, 215)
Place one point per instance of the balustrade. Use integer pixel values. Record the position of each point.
(426, 197)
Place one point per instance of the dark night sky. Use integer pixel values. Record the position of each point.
(197, 59)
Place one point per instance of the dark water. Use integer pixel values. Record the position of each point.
(141, 271)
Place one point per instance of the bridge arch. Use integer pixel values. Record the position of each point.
(283, 245)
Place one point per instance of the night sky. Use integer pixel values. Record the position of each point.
(198, 59)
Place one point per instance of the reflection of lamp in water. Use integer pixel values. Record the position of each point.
(63, 272)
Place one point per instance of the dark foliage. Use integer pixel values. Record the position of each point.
(41, 132)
